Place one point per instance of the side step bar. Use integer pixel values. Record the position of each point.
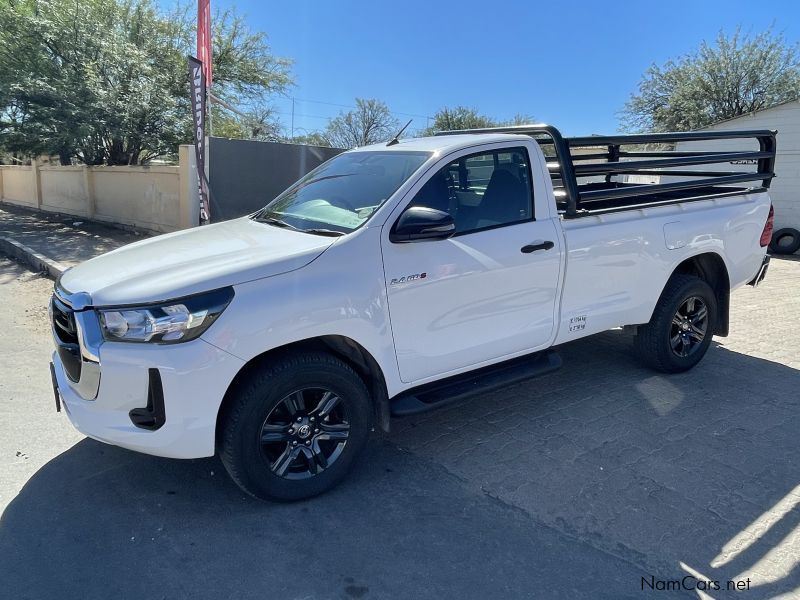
(459, 387)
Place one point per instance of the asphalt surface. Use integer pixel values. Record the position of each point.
(575, 485)
(66, 239)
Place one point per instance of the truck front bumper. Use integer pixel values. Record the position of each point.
(193, 379)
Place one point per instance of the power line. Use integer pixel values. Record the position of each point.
(293, 113)
(394, 112)
(297, 114)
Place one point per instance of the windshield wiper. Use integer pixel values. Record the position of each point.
(318, 231)
(283, 224)
(276, 222)
(324, 178)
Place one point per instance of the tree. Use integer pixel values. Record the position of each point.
(369, 123)
(462, 117)
(520, 119)
(258, 123)
(105, 81)
(315, 138)
(246, 75)
(738, 75)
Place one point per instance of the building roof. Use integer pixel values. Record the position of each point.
(749, 114)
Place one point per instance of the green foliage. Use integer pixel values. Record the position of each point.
(520, 119)
(462, 117)
(258, 123)
(369, 123)
(738, 75)
(246, 73)
(105, 81)
(315, 138)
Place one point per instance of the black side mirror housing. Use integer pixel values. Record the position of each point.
(419, 223)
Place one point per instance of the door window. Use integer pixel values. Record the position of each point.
(482, 191)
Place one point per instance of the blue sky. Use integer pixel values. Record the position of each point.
(572, 64)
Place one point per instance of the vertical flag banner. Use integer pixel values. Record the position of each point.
(204, 37)
(198, 97)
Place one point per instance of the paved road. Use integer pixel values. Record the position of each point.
(66, 239)
(575, 485)
(691, 473)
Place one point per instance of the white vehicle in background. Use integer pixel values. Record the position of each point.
(395, 278)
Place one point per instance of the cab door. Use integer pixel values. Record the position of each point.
(485, 293)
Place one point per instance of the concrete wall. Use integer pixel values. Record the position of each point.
(146, 197)
(17, 185)
(244, 176)
(64, 190)
(157, 198)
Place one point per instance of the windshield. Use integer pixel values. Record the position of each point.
(341, 194)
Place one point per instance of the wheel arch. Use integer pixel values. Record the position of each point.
(344, 348)
(710, 267)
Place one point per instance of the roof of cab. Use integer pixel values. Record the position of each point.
(442, 143)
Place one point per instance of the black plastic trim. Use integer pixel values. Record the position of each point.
(460, 387)
(54, 379)
(65, 333)
(154, 415)
(762, 272)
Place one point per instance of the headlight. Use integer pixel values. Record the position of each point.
(178, 320)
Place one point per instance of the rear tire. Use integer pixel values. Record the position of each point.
(295, 427)
(680, 330)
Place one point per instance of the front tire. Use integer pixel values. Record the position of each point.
(295, 427)
(680, 330)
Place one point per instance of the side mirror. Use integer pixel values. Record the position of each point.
(422, 223)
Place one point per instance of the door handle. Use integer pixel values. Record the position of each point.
(534, 247)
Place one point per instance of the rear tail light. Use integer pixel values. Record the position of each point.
(766, 235)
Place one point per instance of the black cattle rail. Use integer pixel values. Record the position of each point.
(571, 161)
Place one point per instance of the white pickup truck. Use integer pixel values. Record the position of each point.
(397, 277)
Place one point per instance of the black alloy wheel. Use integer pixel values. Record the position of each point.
(689, 327)
(305, 433)
(294, 425)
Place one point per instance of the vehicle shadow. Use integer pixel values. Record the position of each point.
(689, 474)
(101, 522)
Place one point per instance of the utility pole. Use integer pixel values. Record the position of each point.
(292, 136)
